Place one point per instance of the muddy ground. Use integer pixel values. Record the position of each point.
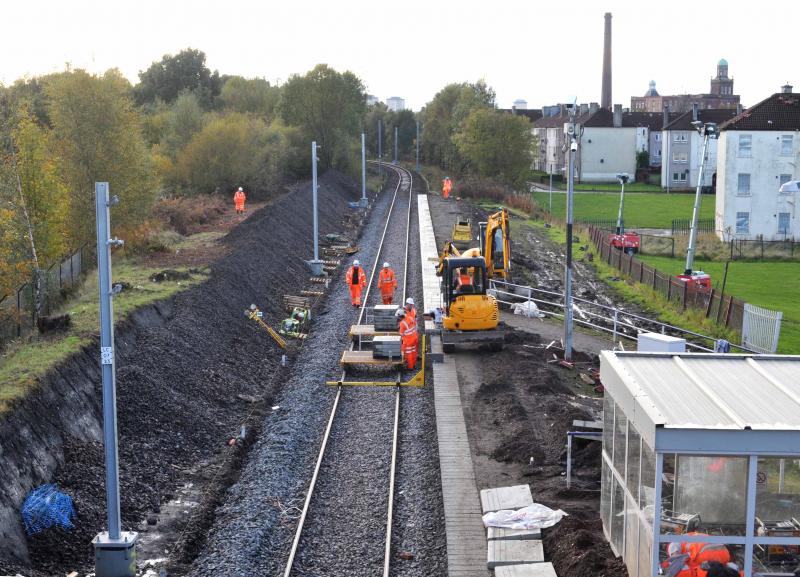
(190, 372)
(519, 407)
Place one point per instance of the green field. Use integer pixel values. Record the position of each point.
(642, 209)
(769, 284)
(638, 187)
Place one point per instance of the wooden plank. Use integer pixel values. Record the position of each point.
(531, 570)
(366, 358)
(498, 533)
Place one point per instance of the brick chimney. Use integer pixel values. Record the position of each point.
(583, 109)
(617, 115)
(605, 98)
(665, 121)
(594, 107)
(695, 110)
(739, 108)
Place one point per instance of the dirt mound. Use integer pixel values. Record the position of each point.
(577, 548)
(184, 370)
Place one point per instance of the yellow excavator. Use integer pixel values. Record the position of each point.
(471, 315)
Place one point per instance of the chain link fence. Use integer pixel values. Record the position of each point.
(18, 311)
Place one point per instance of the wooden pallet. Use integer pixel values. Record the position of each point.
(292, 301)
(367, 358)
(362, 331)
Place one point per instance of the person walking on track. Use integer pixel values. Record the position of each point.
(387, 283)
(238, 200)
(356, 281)
(408, 338)
(447, 186)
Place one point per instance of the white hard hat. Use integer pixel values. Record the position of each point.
(400, 312)
(355, 262)
(386, 265)
(410, 301)
(240, 188)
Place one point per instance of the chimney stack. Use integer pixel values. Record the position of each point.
(786, 88)
(666, 116)
(695, 110)
(594, 107)
(605, 98)
(739, 109)
(617, 115)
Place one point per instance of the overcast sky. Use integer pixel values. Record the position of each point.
(542, 52)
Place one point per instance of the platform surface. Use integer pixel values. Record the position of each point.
(530, 570)
(513, 552)
(514, 497)
(466, 536)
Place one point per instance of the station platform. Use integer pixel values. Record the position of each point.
(466, 536)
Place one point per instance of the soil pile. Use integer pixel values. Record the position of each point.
(188, 371)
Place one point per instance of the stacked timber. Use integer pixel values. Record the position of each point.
(384, 319)
(386, 347)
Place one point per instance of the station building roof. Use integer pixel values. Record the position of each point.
(708, 402)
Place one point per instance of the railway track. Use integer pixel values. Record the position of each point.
(354, 413)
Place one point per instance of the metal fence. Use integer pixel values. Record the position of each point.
(724, 309)
(616, 322)
(761, 328)
(684, 225)
(17, 310)
(764, 249)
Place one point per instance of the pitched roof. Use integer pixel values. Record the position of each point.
(716, 115)
(781, 111)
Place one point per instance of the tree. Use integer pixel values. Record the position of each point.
(99, 137)
(186, 71)
(184, 121)
(329, 107)
(254, 96)
(238, 150)
(497, 145)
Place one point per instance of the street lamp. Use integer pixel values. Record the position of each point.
(707, 130)
(622, 178)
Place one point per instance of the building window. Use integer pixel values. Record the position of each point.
(784, 178)
(742, 222)
(658, 137)
(783, 223)
(745, 145)
(681, 157)
(680, 137)
(786, 144)
(744, 184)
(658, 152)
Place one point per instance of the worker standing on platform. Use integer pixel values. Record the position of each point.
(238, 200)
(387, 283)
(408, 338)
(356, 281)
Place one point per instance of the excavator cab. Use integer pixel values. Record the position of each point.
(463, 276)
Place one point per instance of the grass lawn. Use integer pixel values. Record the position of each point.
(769, 284)
(23, 364)
(642, 210)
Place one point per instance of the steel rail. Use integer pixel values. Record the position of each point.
(329, 427)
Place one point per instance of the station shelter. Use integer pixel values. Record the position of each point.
(711, 442)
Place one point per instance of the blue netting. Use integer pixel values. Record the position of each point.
(46, 507)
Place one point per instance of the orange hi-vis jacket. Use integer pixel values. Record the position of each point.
(685, 559)
(387, 281)
(239, 198)
(361, 280)
(409, 341)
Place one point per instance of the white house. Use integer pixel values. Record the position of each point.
(607, 146)
(758, 151)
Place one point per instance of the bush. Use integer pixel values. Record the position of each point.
(480, 189)
(187, 215)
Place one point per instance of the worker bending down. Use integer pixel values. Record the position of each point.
(356, 281)
(387, 283)
(408, 338)
(695, 559)
(238, 200)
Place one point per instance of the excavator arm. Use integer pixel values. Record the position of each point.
(496, 241)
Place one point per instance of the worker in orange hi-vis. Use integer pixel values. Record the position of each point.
(387, 283)
(408, 338)
(447, 186)
(411, 311)
(356, 281)
(238, 200)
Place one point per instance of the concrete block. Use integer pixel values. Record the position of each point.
(514, 497)
(498, 533)
(513, 552)
(530, 570)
